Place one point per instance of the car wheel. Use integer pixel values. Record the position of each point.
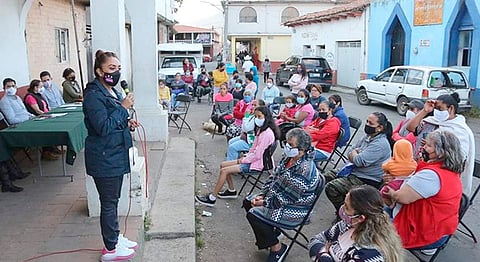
(362, 97)
(402, 105)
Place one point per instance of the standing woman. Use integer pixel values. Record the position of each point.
(187, 66)
(219, 77)
(267, 68)
(71, 89)
(106, 149)
(299, 80)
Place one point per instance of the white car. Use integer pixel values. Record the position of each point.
(397, 85)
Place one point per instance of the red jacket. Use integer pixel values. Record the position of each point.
(239, 111)
(425, 221)
(189, 68)
(326, 133)
(410, 137)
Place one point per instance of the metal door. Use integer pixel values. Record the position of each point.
(348, 63)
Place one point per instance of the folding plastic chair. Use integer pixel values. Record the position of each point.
(253, 178)
(319, 164)
(476, 173)
(464, 205)
(277, 105)
(180, 113)
(355, 124)
(298, 229)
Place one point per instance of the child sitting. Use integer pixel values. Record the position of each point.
(400, 166)
(289, 109)
(163, 95)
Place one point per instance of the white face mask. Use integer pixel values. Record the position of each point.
(289, 151)
(41, 90)
(269, 85)
(441, 116)
(289, 105)
(409, 115)
(259, 122)
(11, 91)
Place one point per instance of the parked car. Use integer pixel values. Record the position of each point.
(207, 58)
(319, 71)
(397, 85)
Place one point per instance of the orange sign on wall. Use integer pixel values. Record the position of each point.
(428, 12)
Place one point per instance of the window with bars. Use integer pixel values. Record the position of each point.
(61, 45)
(464, 48)
(248, 15)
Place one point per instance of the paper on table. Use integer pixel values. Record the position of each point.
(58, 114)
(71, 104)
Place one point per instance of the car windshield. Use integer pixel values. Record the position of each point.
(313, 63)
(176, 62)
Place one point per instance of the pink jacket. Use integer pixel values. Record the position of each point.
(254, 156)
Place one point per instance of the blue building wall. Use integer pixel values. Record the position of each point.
(384, 12)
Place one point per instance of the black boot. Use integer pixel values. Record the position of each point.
(11, 188)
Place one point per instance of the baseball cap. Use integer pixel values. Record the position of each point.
(415, 103)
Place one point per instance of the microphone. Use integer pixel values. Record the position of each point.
(124, 86)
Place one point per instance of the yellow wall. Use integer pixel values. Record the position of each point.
(277, 48)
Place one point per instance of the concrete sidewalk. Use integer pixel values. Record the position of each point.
(51, 215)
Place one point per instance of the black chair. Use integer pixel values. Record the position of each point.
(180, 113)
(253, 178)
(476, 173)
(277, 105)
(319, 164)
(464, 205)
(355, 125)
(298, 229)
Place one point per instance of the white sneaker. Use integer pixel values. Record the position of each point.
(127, 243)
(120, 253)
(429, 252)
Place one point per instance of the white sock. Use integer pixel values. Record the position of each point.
(231, 190)
(212, 197)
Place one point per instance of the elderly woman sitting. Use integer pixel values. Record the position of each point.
(286, 196)
(427, 206)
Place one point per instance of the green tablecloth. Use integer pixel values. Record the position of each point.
(66, 130)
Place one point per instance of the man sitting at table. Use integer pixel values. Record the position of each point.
(12, 105)
(51, 93)
(15, 112)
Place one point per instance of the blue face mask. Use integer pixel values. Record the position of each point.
(290, 151)
(301, 100)
(247, 99)
(238, 85)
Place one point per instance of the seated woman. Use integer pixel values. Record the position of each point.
(364, 232)
(445, 117)
(339, 113)
(316, 96)
(34, 102)
(324, 131)
(242, 109)
(237, 90)
(303, 115)
(286, 196)
(427, 204)
(244, 141)
(178, 87)
(266, 133)
(71, 89)
(367, 155)
(223, 108)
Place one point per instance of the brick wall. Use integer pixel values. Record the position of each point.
(40, 37)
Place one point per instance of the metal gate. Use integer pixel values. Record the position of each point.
(348, 63)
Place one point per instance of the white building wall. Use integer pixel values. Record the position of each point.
(349, 29)
(13, 48)
(268, 18)
(164, 8)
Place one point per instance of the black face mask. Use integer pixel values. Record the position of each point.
(369, 130)
(323, 115)
(112, 79)
(425, 155)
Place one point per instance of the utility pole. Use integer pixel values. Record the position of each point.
(226, 53)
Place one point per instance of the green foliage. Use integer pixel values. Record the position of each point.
(474, 112)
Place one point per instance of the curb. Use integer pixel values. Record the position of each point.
(173, 211)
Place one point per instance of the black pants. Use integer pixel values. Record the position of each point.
(109, 189)
(265, 76)
(4, 177)
(264, 233)
(220, 120)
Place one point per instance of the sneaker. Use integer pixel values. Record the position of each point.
(227, 194)
(205, 200)
(127, 243)
(118, 254)
(429, 252)
(277, 256)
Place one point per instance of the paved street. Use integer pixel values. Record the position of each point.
(227, 235)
